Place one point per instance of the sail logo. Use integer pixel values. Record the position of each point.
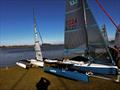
(73, 2)
(71, 23)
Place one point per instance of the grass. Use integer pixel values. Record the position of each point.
(16, 78)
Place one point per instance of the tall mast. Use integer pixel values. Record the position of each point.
(35, 28)
(37, 43)
(85, 27)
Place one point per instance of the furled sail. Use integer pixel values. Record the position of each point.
(37, 43)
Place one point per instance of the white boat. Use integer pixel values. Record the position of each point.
(38, 61)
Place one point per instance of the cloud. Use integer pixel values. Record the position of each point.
(54, 42)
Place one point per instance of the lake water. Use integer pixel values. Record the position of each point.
(9, 56)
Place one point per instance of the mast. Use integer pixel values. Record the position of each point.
(36, 39)
(35, 28)
(85, 27)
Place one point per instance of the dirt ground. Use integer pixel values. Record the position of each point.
(16, 78)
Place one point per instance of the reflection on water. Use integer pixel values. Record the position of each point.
(8, 56)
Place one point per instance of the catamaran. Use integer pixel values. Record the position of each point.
(38, 61)
(85, 47)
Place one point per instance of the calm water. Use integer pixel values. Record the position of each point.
(9, 56)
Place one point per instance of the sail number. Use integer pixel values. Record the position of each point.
(73, 2)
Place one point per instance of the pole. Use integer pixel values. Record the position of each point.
(85, 27)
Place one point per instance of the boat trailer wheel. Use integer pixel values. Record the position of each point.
(89, 73)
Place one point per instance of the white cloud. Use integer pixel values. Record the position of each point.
(54, 42)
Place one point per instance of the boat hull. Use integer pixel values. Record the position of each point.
(93, 67)
(98, 70)
(68, 74)
(38, 63)
(21, 65)
(35, 62)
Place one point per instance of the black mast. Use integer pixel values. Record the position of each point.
(85, 27)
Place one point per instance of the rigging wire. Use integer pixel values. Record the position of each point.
(102, 8)
(38, 32)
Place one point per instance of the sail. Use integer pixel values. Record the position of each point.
(75, 39)
(81, 29)
(117, 38)
(82, 34)
(98, 47)
(37, 43)
(94, 35)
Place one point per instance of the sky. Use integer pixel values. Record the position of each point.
(16, 20)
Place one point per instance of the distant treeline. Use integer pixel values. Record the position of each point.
(44, 46)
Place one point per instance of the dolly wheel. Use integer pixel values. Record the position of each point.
(89, 73)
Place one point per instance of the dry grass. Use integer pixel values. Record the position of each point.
(16, 78)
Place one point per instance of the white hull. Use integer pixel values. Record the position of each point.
(96, 65)
(50, 61)
(84, 64)
(36, 62)
(88, 67)
(21, 65)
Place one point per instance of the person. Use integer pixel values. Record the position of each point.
(118, 77)
(116, 57)
(114, 52)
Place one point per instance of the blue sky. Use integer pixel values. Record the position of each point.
(16, 19)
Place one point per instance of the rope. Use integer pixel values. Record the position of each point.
(102, 8)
